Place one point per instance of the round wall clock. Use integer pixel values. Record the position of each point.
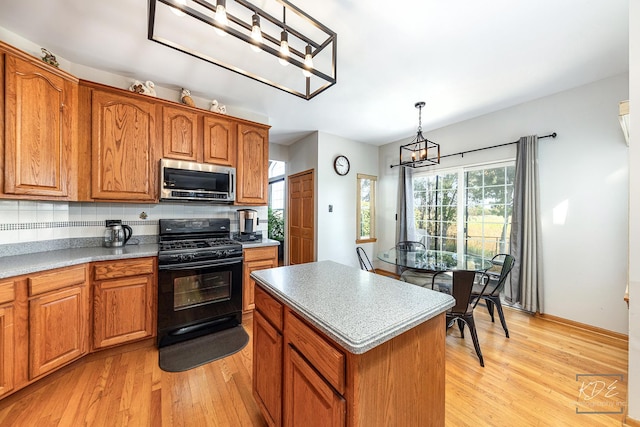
(341, 165)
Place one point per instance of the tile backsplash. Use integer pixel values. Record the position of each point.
(33, 221)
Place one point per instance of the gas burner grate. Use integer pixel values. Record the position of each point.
(181, 244)
(221, 242)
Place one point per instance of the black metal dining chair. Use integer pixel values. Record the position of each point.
(365, 263)
(491, 284)
(409, 245)
(461, 286)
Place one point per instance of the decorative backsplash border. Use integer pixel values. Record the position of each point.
(65, 224)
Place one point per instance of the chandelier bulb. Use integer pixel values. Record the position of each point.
(177, 11)
(221, 17)
(256, 33)
(284, 49)
(308, 62)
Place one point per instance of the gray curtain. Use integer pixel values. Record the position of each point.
(405, 223)
(525, 244)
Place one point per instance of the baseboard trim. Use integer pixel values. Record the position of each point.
(590, 328)
(386, 273)
(630, 422)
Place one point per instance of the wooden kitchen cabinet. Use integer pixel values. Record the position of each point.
(314, 373)
(198, 136)
(323, 384)
(253, 165)
(180, 135)
(119, 129)
(7, 336)
(303, 365)
(123, 301)
(323, 406)
(220, 140)
(267, 368)
(255, 259)
(39, 128)
(58, 318)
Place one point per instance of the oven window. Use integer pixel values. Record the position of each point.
(199, 289)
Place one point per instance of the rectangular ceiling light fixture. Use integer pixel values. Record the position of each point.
(296, 54)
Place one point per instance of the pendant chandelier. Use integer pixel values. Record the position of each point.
(200, 28)
(420, 151)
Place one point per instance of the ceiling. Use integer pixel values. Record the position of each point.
(464, 58)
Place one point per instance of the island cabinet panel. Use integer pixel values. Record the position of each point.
(58, 320)
(322, 407)
(398, 382)
(267, 368)
(180, 134)
(271, 309)
(321, 354)
(255, 259)
(220, 141)
(123, 137)
(123, 301)
(7, 336)
(40, 138)
(253, 165)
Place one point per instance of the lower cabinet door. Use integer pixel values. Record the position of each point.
(7, 349)
(58, 330)
(122, 310)
(267, 369)
(309, 400)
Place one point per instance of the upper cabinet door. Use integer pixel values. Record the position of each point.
(123, 140)
(253, 165)
(40, 115)
(180, 134)
(219, 141)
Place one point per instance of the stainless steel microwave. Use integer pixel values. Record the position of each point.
(190, 181)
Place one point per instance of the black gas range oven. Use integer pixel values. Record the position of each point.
(199, 279)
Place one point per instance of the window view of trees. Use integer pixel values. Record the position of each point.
(489, 203)
(366, 208)
(436, 210)
(475, 220)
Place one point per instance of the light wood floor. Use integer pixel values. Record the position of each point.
(528, 380)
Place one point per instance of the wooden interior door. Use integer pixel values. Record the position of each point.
(301, 218)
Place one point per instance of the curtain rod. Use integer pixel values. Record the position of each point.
(462, 153)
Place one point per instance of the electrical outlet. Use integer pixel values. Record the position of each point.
(330, 208)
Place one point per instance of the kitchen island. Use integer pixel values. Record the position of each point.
(335, 345)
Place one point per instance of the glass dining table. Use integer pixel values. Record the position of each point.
(432, 261)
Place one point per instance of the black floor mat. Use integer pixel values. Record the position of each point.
(198, 351)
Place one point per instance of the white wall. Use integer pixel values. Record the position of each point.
(585, 167)
(633, 391)
(337, 229)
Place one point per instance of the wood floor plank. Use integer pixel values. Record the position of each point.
(528, 380)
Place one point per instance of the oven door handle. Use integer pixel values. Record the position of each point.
(199, 264)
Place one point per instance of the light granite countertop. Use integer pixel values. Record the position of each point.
(264, 242)
(17, 265)
(357, 309)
